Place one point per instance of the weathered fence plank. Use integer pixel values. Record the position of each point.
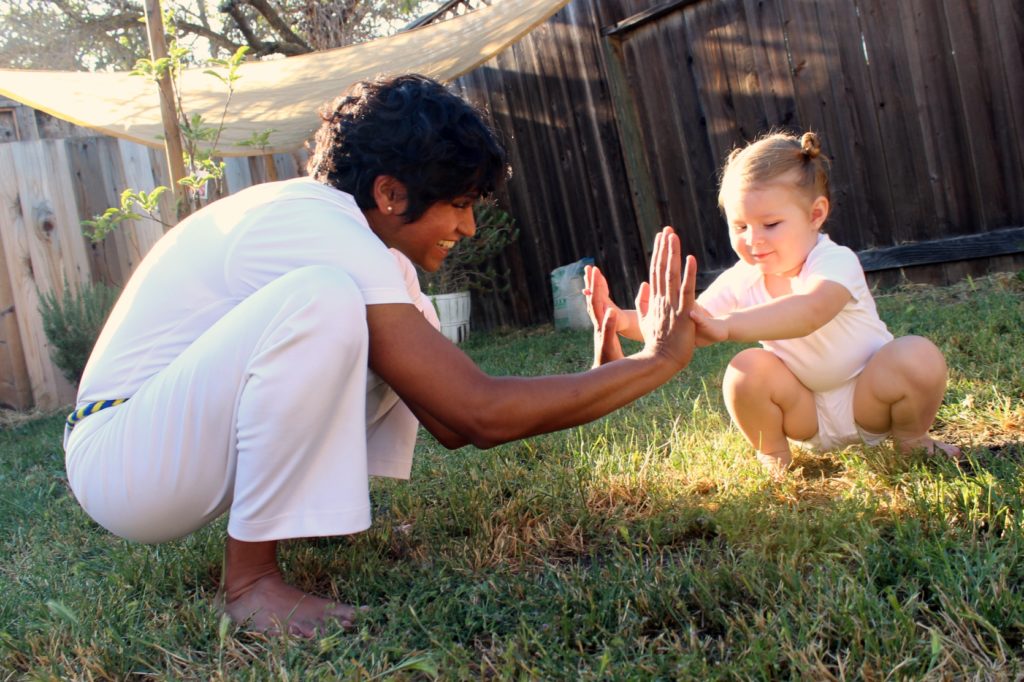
(1008, 16)
(237, 173)
(94, 168)
(43, 249)
(15, 387)
(140, 235)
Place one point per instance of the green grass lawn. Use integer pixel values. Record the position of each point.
(648, 544)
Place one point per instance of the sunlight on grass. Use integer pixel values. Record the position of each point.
(648, 544)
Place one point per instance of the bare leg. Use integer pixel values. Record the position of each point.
(900, 390)
(768, 403)
(255, 593)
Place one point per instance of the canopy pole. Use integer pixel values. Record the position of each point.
(168, 111)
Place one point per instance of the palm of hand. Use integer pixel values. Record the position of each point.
(665, 302)
(604, 315)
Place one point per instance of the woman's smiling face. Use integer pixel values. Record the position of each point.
(427, 240)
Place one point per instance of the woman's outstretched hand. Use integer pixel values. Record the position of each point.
(664, 302)
(604, 315)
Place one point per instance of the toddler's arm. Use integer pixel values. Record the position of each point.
(787, 317)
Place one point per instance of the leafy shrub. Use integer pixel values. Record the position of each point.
(72, 322)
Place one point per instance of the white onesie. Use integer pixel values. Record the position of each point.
(828, 360)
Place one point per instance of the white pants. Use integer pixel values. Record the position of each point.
(265, 416)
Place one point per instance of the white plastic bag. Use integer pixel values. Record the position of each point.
(567, 291)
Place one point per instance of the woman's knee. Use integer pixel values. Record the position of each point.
(329, 286)
(331, 297)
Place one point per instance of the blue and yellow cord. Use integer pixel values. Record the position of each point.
(92, 408)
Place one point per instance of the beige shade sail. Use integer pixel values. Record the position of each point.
(284, 94)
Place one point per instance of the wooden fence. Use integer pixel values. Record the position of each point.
(619, 113)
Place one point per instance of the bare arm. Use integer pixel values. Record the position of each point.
(438, 381)
(787, 317)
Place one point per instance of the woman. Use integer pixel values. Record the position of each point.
(267, 356)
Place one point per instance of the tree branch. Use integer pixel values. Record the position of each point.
(278, 24)
(216, 38)
(230, 7)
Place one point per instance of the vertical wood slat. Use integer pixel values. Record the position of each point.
(95, 171)
(1008, 16)
(28, 129)
(671, 176)
(623, 245)
(951, 177)
(15, 386)
(998, 167)
(725, 67)
(237, 173)
(892, 94)
(487, 85)
(139, 235)
(630, 134)
(971, 81)
(42, 248)
(530, 138)
(863, 210)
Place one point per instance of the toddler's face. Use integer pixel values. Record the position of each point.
(773, 226)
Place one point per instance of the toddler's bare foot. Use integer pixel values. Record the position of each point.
(775, 463)
(931, 446)
(273, 606)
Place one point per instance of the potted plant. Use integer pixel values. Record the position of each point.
(466, 269)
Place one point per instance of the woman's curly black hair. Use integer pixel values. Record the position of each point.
(411, 128)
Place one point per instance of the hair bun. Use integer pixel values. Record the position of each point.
(810, 145)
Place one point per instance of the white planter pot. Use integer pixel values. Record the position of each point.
(453, 310)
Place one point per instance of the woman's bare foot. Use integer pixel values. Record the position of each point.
(273, 606)
(255, 594)
(929, 445)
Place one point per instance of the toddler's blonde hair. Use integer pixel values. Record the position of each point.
(776, 154)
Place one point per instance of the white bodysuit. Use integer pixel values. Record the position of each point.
(829, 360)
(241, 344)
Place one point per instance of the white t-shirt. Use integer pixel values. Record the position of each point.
(836, 352)
(214, 259)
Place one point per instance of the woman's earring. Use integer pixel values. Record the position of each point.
(390, 209)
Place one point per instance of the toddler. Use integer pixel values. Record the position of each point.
(828, 372)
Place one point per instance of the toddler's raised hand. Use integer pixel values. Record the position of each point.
(596, 292)
(604, 315)
(709, 329)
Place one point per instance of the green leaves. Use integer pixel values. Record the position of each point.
(132, 202)
(231, 64)
(260, 140)
(72, 322)
(199, 138)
